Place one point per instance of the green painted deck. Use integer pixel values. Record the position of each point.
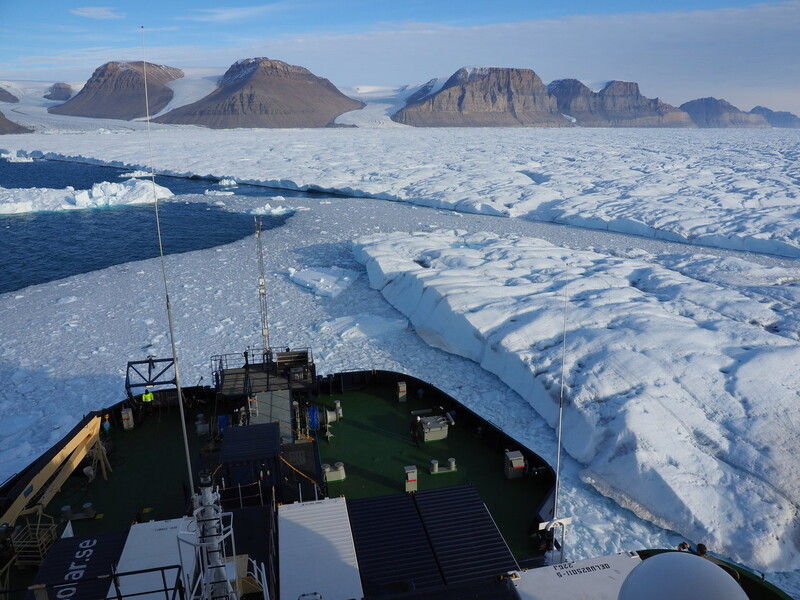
(147, 481)
(374, 442)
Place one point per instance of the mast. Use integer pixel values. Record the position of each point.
(164, 275)
(262, 288)
(557, 551)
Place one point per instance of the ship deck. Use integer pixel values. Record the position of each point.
(373, 440)
(149, 479)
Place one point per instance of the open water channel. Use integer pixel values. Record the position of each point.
(45, 246)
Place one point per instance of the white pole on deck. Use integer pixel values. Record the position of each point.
(164, 276)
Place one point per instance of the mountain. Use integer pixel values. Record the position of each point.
(6, 96)
(59, 91)
(116, 91)
(259, 92)
(484, 97)
(426, 89)
(618, 104)
(778, 118)
(7, 126)
(711, 112)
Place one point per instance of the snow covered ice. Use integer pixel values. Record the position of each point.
(133, 191)
(329, 282)
(721, 188)
(681, 366)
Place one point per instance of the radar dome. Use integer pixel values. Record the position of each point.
(681, 575)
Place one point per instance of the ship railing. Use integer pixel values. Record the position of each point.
(5, 578)
(250, 494)
(258, 572)
(259, 358)
(171, 592)
(73, 589)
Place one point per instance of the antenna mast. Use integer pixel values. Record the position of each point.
(164, 274)
(262, 288)
(558, 549)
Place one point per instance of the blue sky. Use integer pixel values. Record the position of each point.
(744, 52)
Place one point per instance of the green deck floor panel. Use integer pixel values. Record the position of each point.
(374, 442)
(147, 481)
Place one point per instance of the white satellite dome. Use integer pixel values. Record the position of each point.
(682, 575)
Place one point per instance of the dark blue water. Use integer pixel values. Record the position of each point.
(41, 247)
(60, 174)
(45, 246)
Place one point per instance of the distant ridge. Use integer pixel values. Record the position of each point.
(266, 93)
(714, 113)
(778, 118)
(484, 97)
(7, 127)
(116, 91)
(260, 92)
(6, 96)
(618, 104)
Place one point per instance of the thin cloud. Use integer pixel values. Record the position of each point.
(229, 14)
(97, 12)
(156, 29)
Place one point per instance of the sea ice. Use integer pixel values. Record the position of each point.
(328, 282)
(705, 187)
(133, 191)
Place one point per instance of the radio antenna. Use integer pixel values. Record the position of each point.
(164, 273)
(558, 549)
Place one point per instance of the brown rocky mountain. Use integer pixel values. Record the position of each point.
(778, 118)
(618, 104)
(6, 96)
(59, 91)
(710, 112)
(116, 91)
(485, 97)
(259, 92)
(7, 126)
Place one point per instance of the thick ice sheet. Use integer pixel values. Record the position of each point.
(666, 400)
(133, 191)
(724, 188)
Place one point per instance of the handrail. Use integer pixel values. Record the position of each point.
(259, 573)
(113, 578)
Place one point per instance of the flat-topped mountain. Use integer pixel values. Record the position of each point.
(777, 118)
(6, 96)
(711, 112)
(116, 91)
(59, 91)
(484, 97)
(7, 126)
(259, 92)
(618, 104)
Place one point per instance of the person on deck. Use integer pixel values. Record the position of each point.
(699, 550)
(416, 427)
(147, 397)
